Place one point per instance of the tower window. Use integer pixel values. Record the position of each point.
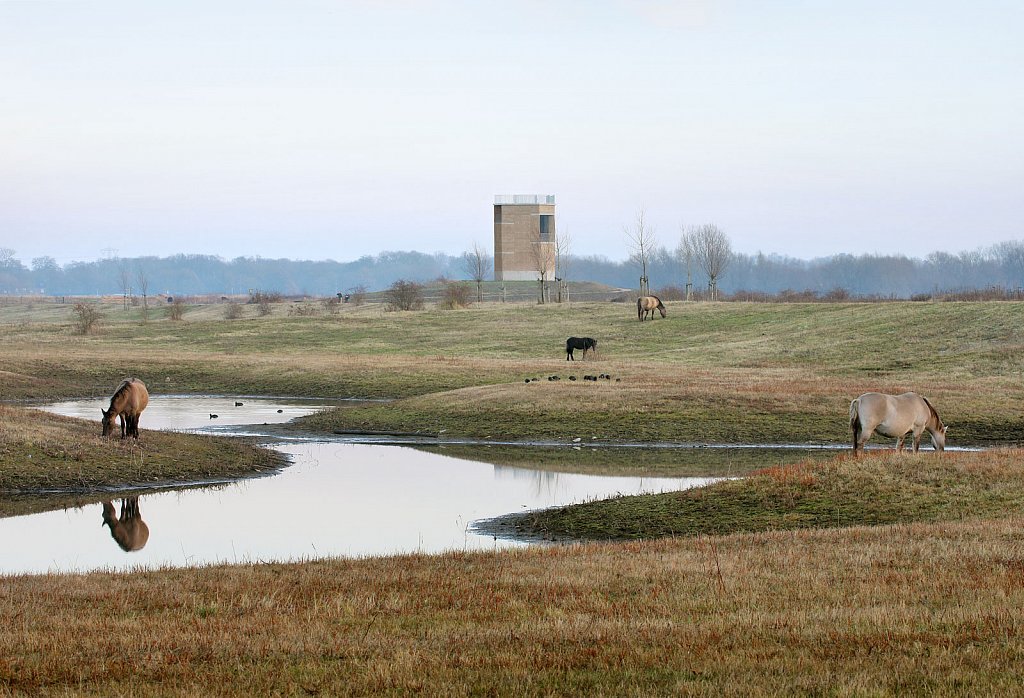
(547, 226)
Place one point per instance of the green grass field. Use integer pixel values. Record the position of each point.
(887, 574)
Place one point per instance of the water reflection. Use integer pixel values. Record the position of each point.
(339, 498)
(128, 529)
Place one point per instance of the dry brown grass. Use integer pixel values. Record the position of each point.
(918, 609)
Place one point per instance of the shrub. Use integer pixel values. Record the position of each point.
(176, 310)
(263, 299)
(86, 317)
(358, 295)
(454, 296)
(331, 305)
(404, 295)
(257, 297)
(671, 293)
(233, 311)
(303, 309)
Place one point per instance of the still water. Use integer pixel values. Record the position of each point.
(339, 498)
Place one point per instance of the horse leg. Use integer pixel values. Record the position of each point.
(123, 421)
(858, 445)
(899, 443)
(917, 439)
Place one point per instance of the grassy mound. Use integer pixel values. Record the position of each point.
(878, 488)
(43, 451)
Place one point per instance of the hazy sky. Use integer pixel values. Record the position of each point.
(319, 129)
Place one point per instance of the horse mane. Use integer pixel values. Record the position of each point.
(935, 414)
(660, 304)
(123, 388)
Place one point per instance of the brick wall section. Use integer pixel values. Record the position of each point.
(516, 233)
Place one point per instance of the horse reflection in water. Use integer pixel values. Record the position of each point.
(129, 530)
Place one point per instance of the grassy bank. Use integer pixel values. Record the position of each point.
(891, 610)
(46, 452)
(878, 488)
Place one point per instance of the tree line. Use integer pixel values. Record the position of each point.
(895, 276)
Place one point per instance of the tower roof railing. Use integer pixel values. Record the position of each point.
(528, 199)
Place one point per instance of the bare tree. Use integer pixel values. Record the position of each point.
(563, 243)
(543, 254)
(7, 257)
(124, 281)
(142, 281)
(641, 245)
(477, 263)
(713, 252)
(684, 253)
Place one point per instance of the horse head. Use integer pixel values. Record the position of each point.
(108, 421)
(939, 437)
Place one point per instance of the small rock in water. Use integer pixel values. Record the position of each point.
(280, 411)
(527, 380)
(238, 404)
(213, 416)
(572, 378)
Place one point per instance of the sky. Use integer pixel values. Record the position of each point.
(321, 129)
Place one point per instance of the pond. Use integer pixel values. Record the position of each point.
(339, 498)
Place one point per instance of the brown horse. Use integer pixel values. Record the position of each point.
(894, 416)
(129, 530)
(127, 402)
(648, 304)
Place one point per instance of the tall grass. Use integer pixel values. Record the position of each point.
(909, 609)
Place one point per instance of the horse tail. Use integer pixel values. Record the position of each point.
(640, 309)
(855, 424)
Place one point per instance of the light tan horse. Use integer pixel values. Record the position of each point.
(648, 304)
(127, 402)
(894, 416)
(129, 530)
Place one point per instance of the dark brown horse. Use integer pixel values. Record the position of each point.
(648, 304)
(894, 416)
(129, 530)
(584, 343)
(127, 402)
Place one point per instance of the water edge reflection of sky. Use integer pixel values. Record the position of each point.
(337, 499)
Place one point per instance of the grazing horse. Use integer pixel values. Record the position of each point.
(894, 416)
(648, 304)
(584, 343)
(129, 530)
(127, 402)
